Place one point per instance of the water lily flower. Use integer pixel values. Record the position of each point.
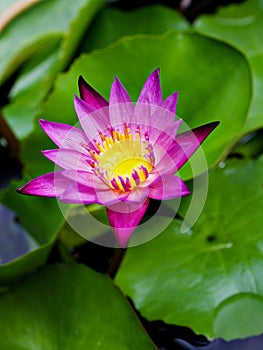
(124, 154)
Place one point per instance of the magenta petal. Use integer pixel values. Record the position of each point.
(118, 93)
(168, 187)
(151, 92)
(64, 135)
(90, 95)
(121, 107)
(124, 220)
(170, 102)
(91, 183)
(91, 120)
(187, 143)
(77, 193)
(47, 185)
(68, 159)
(137, 195)
(81, 177)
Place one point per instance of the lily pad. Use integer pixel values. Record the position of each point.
(210, 277)
(43, 52)
(212, 78)
(242, 27)
(75, 308)
(112, 24)
(51, 21)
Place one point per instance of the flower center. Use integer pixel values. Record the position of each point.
(123, 160)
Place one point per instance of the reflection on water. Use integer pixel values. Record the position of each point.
(14, 240)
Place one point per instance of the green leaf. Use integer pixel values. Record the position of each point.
(214, 77)
(76, 308)
(209, 277)
(242, 26)
(44, 51)
(78, 219)
(112, 24)
(40, 217)
(50, 21)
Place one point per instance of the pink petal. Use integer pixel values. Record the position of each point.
(108, 197)
(187, 143)
(118, 93)
(170, 102)
(91, 120)
(77, 193)
(151, 92)
(90, 95)
(124, 220)
(137, 195)
(168, 187)
(47, 185)
(163, 132)
(64, 135)
(82, 177)
(104, 194)
(155, 120)
(121, 107)
(164, 162)
(68, 159)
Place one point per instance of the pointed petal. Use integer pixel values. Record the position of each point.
(124, 220)
(121, 106)
(91, 120)
(168, 187)
(104, 194)
(64, 135)
(164, 132)
(151, 92)
(137, 195)
(90, 95)
(81, 177)
(170, 102)
(180, 150)
(187, 143)
(47, 185)
(118, 93)
(77, 193)
(68, 159)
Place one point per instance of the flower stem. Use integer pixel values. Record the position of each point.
(116, 261)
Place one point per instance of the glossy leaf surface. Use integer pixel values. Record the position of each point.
(69, 307)
(209, 279)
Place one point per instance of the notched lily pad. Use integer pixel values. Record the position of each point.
(199, 279)
(216, 86)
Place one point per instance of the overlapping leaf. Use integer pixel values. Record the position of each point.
(112, 24)
(242, 27)
(209, 279)
(43, 39)
(216, 86)
(69, 307)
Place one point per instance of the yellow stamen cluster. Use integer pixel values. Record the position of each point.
(122, 159)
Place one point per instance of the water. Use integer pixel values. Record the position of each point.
(14, 240)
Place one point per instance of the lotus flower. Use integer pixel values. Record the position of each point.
(124, 155)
